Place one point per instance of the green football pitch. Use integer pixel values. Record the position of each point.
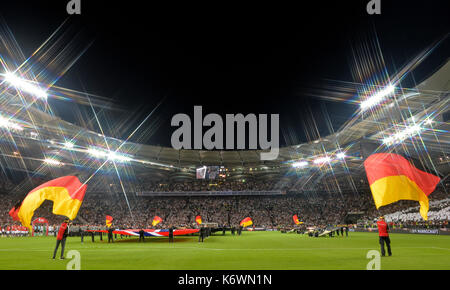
(250, 251)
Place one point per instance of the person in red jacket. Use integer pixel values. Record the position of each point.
(383, 233)
(61, 238)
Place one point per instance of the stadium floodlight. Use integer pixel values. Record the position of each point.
(413, 130)
(299, 164)
(341, 155)
(399, 136)
(389, 140)
(378, 97)
(96, 153)
(25, 85)
(110, 155)
(6, 123)
(322, 160)
(118, 157)
(68, 145)
(51, 161)
(409, 131)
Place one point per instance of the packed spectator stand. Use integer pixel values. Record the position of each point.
(270, 212)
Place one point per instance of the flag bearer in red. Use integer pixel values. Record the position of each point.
(61, 238)
(383, 233)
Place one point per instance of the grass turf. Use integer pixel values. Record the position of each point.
(250, 251)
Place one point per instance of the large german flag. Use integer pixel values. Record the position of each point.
(393, 177)
(156, 220)
(109, 220)
(66, 192)
(198, 219)
(296, 220)
(246, 222)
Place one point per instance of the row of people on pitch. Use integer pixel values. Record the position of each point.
(339, 230)
(383, 232)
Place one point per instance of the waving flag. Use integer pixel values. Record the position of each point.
(109, 220)
(296, 220)
(156, 220)
(14, 212)
(66, 192)
(198, 219)
(246, 222)
(392, 177)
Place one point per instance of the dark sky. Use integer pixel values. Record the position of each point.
(229, 57)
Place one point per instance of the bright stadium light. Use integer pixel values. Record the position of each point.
(96, 153)
(413, 130)
(118, 157)
(25, 86)
(5, 123)
(378, 97)
(51, 161)
(400, 136)
(341, 155)
(68, 145)
(110, 155)
(388, 140)
(299, 164)
(429, 121)
(322, 160)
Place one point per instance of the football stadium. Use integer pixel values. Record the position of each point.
(109, 161)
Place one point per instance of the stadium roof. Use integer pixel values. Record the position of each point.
(43, 135)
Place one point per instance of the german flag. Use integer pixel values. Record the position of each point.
(246, 222)
(66, 192)
(393, 177)
(14, 212)
(156, 220)
(296, 220)
(109, 220)
(198, 219)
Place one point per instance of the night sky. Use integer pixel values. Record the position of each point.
(229, 57)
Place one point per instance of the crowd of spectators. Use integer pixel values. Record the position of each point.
(272, 211)
(438, 210)
(207, 185)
